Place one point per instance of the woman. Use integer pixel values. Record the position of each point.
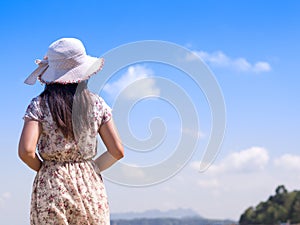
(63, 123)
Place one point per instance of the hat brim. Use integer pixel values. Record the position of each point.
(84, 71)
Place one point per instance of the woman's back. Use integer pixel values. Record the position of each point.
(53, 145)
(68, 170)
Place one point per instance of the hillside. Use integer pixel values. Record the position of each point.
(281, 207)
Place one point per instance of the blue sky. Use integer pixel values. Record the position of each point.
(261, 145)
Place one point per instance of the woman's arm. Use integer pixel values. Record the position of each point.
(27, 144)
(111, 140)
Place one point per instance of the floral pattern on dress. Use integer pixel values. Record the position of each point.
(67, 189)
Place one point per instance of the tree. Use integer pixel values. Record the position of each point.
(281, 207)
(295, 211)
(281, 190)
(248, 217)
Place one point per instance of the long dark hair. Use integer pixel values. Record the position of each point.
(67, 103)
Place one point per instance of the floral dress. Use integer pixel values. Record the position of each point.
(68, 188)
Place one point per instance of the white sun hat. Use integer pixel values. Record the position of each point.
(65, 62)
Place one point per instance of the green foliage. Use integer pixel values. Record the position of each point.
(281, 207)
(295, 212)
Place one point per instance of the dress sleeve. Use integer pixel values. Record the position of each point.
(105, 112)
(33, 110)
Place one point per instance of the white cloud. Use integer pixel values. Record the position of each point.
(209, 183)
(211, 191)
(220, 178)
(216, 58)
(254, 158)
(288, 162)
(4, 197)
(134, 73)
(248, 160)
(262, 67)
(195, 134)
(133, 171)
(227, 181)
(220, 59)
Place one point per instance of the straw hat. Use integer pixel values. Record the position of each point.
(66, 62)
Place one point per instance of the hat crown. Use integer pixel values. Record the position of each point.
(65, 48)
(66, 62)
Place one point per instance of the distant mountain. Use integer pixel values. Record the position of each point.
(172, 221)
(151, 214)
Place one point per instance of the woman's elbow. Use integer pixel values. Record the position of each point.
(25, 153)
(118, 153)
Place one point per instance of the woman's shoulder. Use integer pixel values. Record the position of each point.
(33, 110)
(35, 101)
(100, 103)
(97, 99)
